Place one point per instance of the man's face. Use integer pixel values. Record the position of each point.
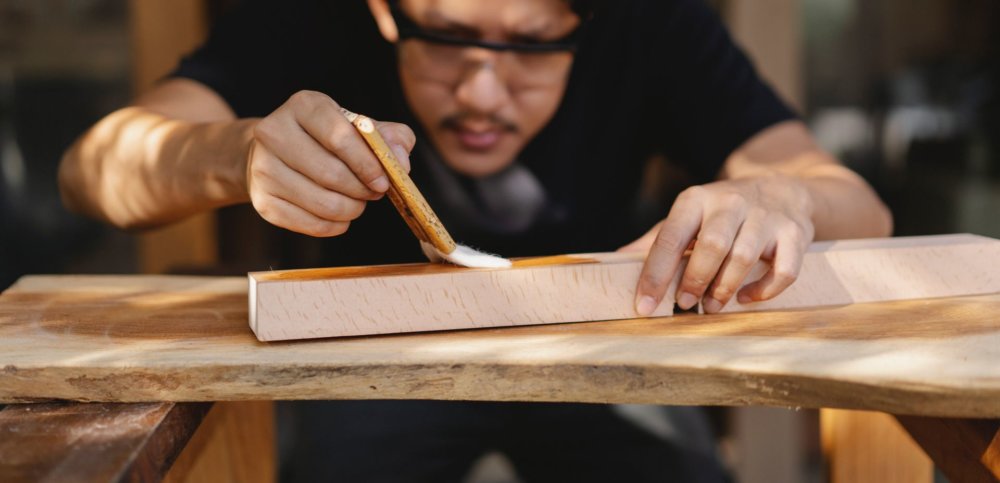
(479, 106)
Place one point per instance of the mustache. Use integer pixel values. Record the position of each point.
(455, 121)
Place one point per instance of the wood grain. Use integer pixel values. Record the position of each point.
(101, 442)
(161, 338)
(880, 269)
(351, 301)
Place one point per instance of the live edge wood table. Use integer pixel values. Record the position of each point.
(155, 351)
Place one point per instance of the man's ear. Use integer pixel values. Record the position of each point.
(386, 25)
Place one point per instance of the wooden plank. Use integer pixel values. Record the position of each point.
(234, 444)
(101, 442)
(880, 269)
(303, 304)
(870, 447)
(351, 301)
(966, 450)
(143, 338)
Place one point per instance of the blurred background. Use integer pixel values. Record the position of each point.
(906, 92)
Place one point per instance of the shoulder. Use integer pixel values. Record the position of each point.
(654, 26)
(284, 47)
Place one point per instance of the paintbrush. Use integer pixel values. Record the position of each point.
(435, 241)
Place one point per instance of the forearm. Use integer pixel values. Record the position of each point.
(138, 169)
(842, 203)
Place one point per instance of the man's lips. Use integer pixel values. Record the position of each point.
(478, 139)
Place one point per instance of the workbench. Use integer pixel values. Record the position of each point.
(155, 351)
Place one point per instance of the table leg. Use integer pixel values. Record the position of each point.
(235, 443)
(863, 447)
(964, 449)
(101, 442)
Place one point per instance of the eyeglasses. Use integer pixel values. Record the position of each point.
(408, 29)
(442, 56)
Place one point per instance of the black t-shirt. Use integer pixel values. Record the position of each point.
(651, 77)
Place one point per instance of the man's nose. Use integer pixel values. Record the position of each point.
(482, 89)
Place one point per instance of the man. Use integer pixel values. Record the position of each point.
(528, 123)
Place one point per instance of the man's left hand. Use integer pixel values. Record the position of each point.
(728, 225)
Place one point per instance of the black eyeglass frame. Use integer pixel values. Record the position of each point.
(408, 29)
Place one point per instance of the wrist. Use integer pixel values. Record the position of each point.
(829, 222)
(228, 182)
(800, 198)
(246, 142)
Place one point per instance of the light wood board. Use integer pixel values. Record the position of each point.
(351, 301)
(160, 338)
(882, 269)
(388, 299)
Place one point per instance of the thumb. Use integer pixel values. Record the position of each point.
(400, 139)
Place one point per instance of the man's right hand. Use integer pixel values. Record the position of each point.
(310, 171)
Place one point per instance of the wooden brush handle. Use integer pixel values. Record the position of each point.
(403, 193)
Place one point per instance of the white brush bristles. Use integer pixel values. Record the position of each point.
(465, 257)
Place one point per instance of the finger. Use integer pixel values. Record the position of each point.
(290, 185)
(788, 256)
(665, 253)
(287, 215)
(746, 251)
(290, 144)
(710, 249)
(322, 119)
(400, 139)
(645, 242)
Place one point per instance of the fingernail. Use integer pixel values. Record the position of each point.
(645, 306)
(381, 184)
(686, 301)
(743, 298)
(711, 305)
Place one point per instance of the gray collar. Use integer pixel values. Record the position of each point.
(507, 202)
